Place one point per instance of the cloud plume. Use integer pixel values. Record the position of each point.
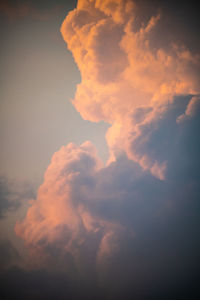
(120, 67)
(132, 225)
(60, 215)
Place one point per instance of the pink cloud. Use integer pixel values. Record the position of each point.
(119, 67)
(149, 95)
(59, 214)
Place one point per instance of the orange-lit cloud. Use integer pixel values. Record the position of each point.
(107, 219)
(60, 214)
(149, 95)
(120, 68)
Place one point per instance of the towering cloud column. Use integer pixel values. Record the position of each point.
(149, 92)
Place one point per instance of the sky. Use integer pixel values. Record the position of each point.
(99, 180)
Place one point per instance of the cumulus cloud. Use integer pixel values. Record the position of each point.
(60, 214)
(133, 225)
(102, 222)
(117, 226)
(120, 68)
(156, 136)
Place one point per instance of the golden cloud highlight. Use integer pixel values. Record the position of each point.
(120, 68)
(60, 214)
(138, 88)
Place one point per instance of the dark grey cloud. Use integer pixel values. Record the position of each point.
(12, 195)
(157, 243)
(179, 22)
(6, 198)
(169, 134)
(8, 255)
(17, 284)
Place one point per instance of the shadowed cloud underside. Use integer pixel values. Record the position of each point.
(132, 225)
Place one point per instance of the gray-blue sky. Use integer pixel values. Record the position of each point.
(38, 80)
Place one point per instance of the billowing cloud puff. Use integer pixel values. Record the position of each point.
(159, 136)
(119, 225)
(60, 215)
(120, 68)
(133, 224)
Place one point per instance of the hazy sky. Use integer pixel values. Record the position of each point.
(99, 130)
(38, 80)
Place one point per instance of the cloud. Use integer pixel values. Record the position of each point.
(119, 225)
(120, 66)
(12, 194)
(22, 284)
(60, 216)
(157, 137)
(9, 256)
(130, 226)
(21, 9)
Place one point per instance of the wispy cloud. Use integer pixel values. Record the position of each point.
(21, 9)
(12, 195)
